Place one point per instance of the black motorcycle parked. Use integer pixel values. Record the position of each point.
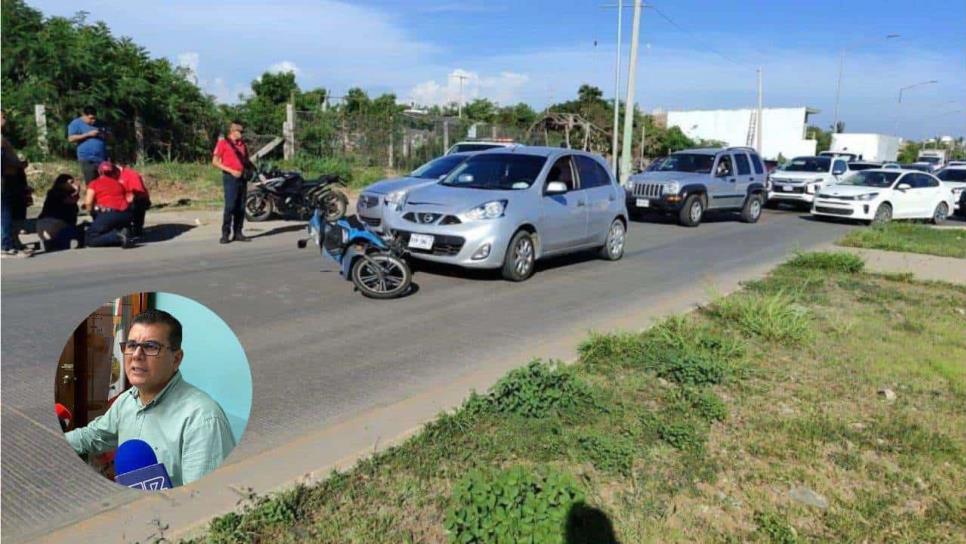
(288, 194)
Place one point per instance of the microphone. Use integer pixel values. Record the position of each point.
(136, 465)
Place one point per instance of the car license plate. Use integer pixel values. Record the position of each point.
(421, 241)
(788, 188)
(643, 203)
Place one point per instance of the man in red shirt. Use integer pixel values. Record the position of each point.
(231, 157)
(109, 203)
(134, 184)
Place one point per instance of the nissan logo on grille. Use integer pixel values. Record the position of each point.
(428, 218)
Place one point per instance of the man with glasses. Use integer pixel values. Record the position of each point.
(188, 430)
(231, 157)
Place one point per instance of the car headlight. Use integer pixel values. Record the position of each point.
(670, 188)
(395, 200)
(866, 197)
(489, 210)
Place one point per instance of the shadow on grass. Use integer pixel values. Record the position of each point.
(589, 525)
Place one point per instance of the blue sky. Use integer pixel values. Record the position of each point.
(538, 51)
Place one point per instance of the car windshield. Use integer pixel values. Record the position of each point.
(462, 148)
(439, 167)
(914, 166)
(871, 178)
(930, 160)
(687, 162)
(809, 164)
(856, 166)
(952, 174)
(655, 164)
(496, 171)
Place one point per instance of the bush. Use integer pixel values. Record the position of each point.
(610, 349)
(833, 261)
(702, 402)
(608, 453)
(774, 316)
(538, 390)
(690, 368)
(682, 433)
(512, 505)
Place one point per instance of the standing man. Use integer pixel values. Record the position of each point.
(15, 196)
(187, 429)
(89, 135)
(231, 157)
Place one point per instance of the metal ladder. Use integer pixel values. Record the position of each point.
(752, 128)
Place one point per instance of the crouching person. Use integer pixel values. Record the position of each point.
(57, 223)
(109, 204)
(133, 183)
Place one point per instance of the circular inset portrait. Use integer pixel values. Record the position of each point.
(153, 390)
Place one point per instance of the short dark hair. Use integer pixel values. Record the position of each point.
(89, 110)
(153, 317)
(236, 122)
(60, 181)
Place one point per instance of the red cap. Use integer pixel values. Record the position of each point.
(62, 412)
(106, 168)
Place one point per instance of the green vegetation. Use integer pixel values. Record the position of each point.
(910, 237)
(644, 454)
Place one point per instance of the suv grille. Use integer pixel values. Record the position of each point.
(652, 190)
(368, 201)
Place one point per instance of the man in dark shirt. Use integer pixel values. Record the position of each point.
(231, 157)
(57, 223)
(89, 136)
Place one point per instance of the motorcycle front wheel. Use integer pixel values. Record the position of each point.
(334, 206)
(258, 207)
(381, 275)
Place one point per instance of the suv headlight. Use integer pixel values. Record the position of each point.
(866, 197)
(670, 188)
(396, 199)
(489, 210)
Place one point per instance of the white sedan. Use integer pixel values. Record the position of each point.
(954, 177)
(880, 195)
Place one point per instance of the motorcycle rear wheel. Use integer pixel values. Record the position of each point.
(258, 207)
(334, 206)
(381, 275)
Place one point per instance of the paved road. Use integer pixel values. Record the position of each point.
(319, 352)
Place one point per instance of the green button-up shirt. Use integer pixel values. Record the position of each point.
(187, 429)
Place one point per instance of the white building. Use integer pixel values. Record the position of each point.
(783, 129)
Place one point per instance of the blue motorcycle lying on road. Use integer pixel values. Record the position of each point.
(376, 266)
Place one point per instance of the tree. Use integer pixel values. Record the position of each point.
(822, 137)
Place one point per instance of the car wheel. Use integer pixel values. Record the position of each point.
(883, 214)
(692, 211)
(939, 216)
(613, 248)
(751, 211)
(520, 257)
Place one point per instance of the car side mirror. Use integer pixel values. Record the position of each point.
(556, 188)
(904, 187)
(838, 172)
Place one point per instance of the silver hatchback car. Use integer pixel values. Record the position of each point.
(507, 208)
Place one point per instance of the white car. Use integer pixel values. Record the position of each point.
(954, 177)
(479, 145)
(878, 196)
(803, 177)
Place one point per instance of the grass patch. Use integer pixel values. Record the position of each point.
(695, 430)
(834, 261)
(911, 238)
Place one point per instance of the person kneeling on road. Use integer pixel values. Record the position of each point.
(57, 223)
(134, 184)
(109, 204)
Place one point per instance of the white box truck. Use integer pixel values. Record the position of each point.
(866, 147)
(936, 158)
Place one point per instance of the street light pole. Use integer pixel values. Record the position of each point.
(617, 86)
(899, 104)
(625, 170)
(459, 107)
(838, 86)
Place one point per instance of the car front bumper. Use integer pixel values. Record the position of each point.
(845, 209)
(790, 193)
(661, 204)
(462, 244)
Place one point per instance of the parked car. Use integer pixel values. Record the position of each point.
(919, 166)
(803, 177)
(891, 165)
(770, 166)
(478, 145)
(841, 154)
(878, 196)
(856, 166)
(693, 181)
(954, 177)
(956, 163)
(381, 198)
(508, 208)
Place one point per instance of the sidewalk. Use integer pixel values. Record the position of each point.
(922, 267)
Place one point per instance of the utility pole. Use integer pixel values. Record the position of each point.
(617, 85)
(906, 88)
(760, 112)
(625, 169)
(838, 85)
(461, 77)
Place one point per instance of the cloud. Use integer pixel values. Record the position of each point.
(283, 67)
(189, 61)
(503, 88)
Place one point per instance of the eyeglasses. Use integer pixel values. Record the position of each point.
(150, 348)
